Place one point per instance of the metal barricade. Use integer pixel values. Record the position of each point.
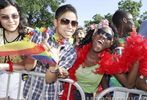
(34, 74)
(139, 94)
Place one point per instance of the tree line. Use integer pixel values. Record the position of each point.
(41, 12)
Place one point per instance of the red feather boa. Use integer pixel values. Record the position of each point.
(81, 55)
(135, 49)
(143, 60)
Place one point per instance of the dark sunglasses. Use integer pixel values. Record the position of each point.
(65, 21)
(7, 17)
(104, 34)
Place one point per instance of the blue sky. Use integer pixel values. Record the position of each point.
(88, 8)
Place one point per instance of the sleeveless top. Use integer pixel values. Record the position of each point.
(88, 80)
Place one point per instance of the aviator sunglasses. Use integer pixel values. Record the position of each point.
(104, 34)
(7, 17)
(65, 21)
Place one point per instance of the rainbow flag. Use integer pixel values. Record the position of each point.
(20, 48)
(36, 51)
(44, 57)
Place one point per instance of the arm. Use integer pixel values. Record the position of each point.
(141, 83)
(128, 79)
(67, 59)
(26, 64)
(51, 74)
(105, 82)
(29, 63)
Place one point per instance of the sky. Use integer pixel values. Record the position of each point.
(86, 9)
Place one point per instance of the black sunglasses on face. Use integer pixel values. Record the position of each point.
(104, 34)
(65, 21)
(7, 17)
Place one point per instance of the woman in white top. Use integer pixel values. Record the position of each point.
(11, 29)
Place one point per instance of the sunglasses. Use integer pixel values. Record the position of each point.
(7, 17)
(105, 35)
(65, 21)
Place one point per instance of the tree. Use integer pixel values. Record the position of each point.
(144, 16)
(127, 5)
(39, 12)
(95, 20)
(131, 6)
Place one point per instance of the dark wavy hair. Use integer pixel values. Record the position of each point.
(23, 22)
(63, 9)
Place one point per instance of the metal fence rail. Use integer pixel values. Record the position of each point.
(140, 95)
(34, 74)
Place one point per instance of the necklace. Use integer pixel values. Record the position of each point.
(7, 58)
(5, 39)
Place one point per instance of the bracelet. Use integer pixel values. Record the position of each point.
(143, 78)
(10, 66)
(54, 71)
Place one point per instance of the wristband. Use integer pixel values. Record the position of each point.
(10, 66)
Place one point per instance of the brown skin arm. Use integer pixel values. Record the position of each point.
(105, 85)
(105, 82)
(29, 63)
(128, 79)
(141, 84)
(51, 74)
(55, 72)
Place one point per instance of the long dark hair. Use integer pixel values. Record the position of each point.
(22, 23)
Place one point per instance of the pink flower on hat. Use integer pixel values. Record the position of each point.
(103, 23)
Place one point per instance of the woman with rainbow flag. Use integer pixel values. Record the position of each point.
(12, 29)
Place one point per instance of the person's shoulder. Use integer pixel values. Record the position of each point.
(144, 22)
(143, 29)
